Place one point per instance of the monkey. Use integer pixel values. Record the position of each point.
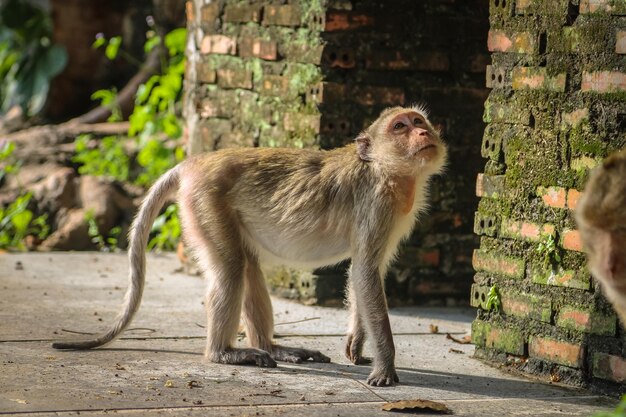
(311, 208)
(601, 218)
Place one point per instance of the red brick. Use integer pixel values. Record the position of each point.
(234, 78)
(275, 85)
(369, 95)
(571, 240)
(572, 198)
(569, 278)
(210, 12)
(553, 196)
(218, 44)
(242, 13)
(499, 264)
(259, 48)
(282, 15)
(499, 41)
(525, 230)
(609, 367)
(346, 20)
(586, 320)
(620, 43)
(205, 74)
(524, 305)
(604, 81)
(536, 78)
(563, 353)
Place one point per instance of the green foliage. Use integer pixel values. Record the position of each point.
(17, 222)
(104, 244)
(108, 159)
(493, 299)
(8, 164)
(108, 98)
(167, 230)
(620, 410)
(548, 250)
(154, 114)
(155, 101)
(28, 59)
(155, 158)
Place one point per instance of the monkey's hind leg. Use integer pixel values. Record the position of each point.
(220, 253)
(259, 321)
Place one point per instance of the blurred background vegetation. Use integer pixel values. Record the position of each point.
(90, 116)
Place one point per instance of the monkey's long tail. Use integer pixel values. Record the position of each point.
(139, 234)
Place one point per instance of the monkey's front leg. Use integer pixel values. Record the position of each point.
(372, 307)
(356, 332)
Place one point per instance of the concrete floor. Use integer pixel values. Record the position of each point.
(157, 368)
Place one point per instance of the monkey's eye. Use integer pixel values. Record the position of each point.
(417, 121)
(398, 126)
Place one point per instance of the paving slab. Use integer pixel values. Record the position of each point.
(157, 367)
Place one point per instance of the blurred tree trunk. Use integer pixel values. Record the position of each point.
(76, 23)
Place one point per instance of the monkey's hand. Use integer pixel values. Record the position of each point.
(354, 348)
(383, 377)
(297, 355)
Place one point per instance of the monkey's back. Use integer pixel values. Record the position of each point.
(287, 200)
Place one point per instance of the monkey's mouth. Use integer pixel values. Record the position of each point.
(428, 148)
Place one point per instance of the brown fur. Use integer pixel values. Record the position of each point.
(601, 218)
(309, 208)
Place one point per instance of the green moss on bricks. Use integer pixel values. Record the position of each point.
(302, 76)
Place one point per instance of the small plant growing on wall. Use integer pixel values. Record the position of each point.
(549, 252)
(493, 299)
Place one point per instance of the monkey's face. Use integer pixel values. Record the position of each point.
(414, 139)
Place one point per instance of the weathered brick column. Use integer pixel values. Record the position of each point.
(313, 73)
(556, 109)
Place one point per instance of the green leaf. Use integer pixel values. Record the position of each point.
(21, 220)
(151, 43)
(53, 61)
(113, 47)
(175, 41)
(99, 42)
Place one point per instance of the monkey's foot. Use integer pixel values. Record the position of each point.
(383, 378)
(354, 349)
(248, 356)
(297, 355)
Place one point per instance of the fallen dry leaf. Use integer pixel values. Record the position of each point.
(434, 328)
(407, 405)
(465, 340)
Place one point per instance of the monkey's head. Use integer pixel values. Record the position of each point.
(601, 218)
(403, 139)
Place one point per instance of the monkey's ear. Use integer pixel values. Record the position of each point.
(363, 147)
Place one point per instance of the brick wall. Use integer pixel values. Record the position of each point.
(313, 73)
(557, 107)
